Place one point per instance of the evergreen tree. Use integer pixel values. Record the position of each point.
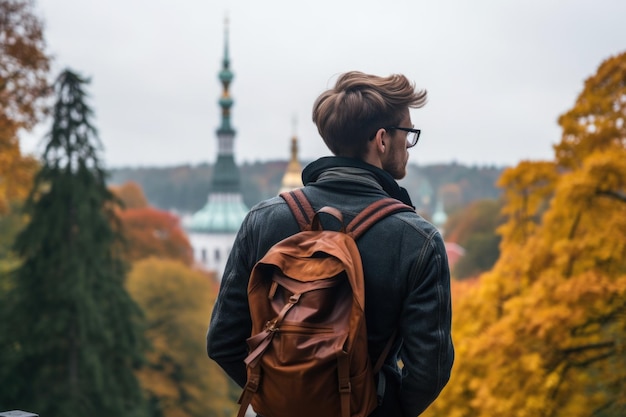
(70, 336)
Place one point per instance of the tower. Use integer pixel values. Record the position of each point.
(213, 228)
(293, 175)
(439, 216)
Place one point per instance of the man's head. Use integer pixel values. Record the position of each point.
(354, 118)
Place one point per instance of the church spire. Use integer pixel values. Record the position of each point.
(213, 228)
(226, 174)
(226, 77)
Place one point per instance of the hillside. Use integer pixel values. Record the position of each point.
(185, 188)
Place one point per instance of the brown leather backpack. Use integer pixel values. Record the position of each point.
(308, 349)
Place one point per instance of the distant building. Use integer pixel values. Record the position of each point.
(439, 216)
(213, 228)
(293, 175)
(455, 252)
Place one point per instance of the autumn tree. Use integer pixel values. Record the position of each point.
(69, 336)
(149, 231)
(179, 377)
(131, 195)
(152, 232)
(474, 228)
(544, 332)
(24, 67)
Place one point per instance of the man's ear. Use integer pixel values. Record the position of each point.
(376, 148)
(380, 140)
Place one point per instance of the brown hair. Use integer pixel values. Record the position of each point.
(349, 114)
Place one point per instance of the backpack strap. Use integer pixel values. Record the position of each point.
(304, 212)
(343, 371)
(251, 387)
(300, 207)
(359, 225)
(379, 209)
(383, 355)
(373, 213)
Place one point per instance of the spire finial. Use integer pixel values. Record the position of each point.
(294, 140)
(226, 57)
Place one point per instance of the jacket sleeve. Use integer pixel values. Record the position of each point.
(427, 352)
(230, 324)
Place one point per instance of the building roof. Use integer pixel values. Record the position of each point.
(292, 178)
(223, 213)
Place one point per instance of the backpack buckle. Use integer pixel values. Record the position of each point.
(252, 385)
(271, 327)
(345, 387)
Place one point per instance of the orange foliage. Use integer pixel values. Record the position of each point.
(151, 232)
(16, 170)
(23, 64)
(179, 377)
(131, 194)
(460, 289)
(23, 85)
(543, 333)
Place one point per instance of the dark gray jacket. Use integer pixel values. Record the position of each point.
(407, 283)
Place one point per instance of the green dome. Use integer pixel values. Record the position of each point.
(223, 213)
(226, 75)
(226, 102)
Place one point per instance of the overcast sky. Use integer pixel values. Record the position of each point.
(498, 72)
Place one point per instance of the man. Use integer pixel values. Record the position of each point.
(365, 121)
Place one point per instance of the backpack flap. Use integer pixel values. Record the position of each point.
(306, 302)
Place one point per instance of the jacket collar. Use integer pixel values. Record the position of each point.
(312, 171)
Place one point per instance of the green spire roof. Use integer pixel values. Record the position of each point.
(225, 210)
(226, 77)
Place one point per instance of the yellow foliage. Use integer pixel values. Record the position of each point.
(527, 189)
(16, 170)
(177, 303)
(543, 333)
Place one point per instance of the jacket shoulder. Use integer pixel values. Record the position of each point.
(415, 223)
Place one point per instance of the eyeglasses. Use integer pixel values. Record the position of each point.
(412, 135)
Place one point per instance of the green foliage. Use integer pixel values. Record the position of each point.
(474, 228)
(475, 183)
(185, 188)
(481, 253)
(69, 335)
(10, 225)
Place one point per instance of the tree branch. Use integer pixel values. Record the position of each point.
(613, 194)
(585, 348)
(585, 363)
